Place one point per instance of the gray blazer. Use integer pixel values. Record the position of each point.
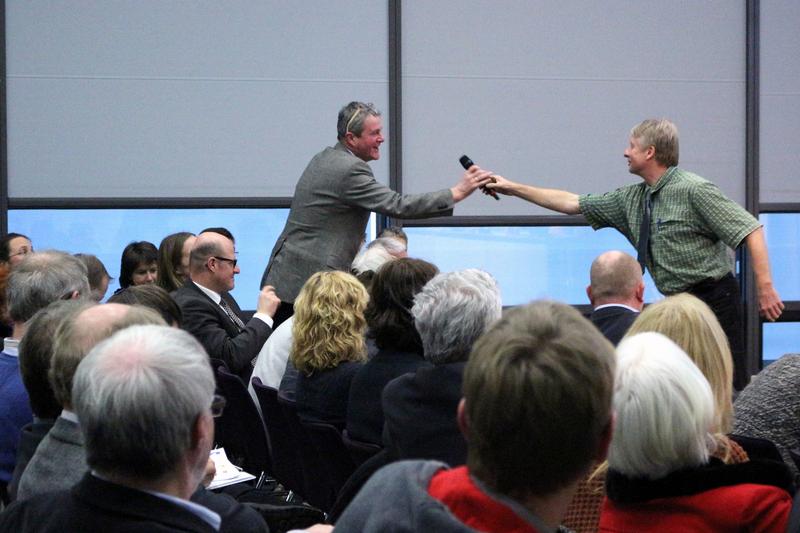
(59, 461)
(330, 210)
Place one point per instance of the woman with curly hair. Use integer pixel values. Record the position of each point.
(328, 344)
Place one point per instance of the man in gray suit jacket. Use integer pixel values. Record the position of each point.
(333, 200)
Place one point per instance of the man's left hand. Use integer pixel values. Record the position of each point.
(769, 303)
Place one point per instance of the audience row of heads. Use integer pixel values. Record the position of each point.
(410, 306)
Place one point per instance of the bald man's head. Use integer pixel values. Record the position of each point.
(79, 333)
(212, 262)
(615, 277)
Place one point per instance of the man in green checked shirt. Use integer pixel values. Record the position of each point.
(691, 223)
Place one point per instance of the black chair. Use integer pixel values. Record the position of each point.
(240, 429)
(359, 450)
(318, 487)
(356, 481)
(328, 440)
(287, 467)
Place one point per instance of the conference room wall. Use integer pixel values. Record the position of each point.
(183, 99)
(779, 157)
(546, 92)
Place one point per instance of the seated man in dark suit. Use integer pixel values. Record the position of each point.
(145, 401)
(536, 413)
(419, 409)
(212, 315)
(616, 291)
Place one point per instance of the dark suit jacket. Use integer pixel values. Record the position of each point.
(94, 505)
(330, 208)
(613, 322)
(206, 320)
(364, 409)
(59, 461)
(420, 413)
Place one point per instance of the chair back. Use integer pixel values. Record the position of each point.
(240, 429)
(318, 487)
(328, 441)
(288, 468)
(359, 450)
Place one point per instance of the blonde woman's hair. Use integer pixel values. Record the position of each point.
(329, 322)
(692, 325)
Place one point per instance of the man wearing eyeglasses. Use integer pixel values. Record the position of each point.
(212, 315)
(333, 200)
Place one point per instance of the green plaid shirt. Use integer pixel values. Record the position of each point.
(692, 225)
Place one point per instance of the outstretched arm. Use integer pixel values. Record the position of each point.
(471, 179)
(555, 199)
(769, 302)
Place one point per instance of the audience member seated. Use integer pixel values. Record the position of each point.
(390, 323)
(34, 283)
(59, 462)
(369, 260)
(155, 298)
(35, 355)
(99, 277)
(616, 292)
(662, 474)
(13, 249)
(139, 265)
(692, 325)
(328, 344)
(536, 413)
(450, 313)
(271, 362)
(769, 408)
(173, 260)
(397, 234)
(144, 398)
(212, 315)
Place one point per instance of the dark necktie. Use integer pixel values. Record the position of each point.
(644, 231)
(228, 311)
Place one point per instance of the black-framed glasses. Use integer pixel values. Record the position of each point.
(217, 405)
(231, 261)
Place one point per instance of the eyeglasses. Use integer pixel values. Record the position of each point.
(217, 405)
(231, 261)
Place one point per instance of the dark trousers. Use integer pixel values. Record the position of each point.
(724, 298)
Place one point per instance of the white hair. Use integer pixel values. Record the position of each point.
(371, 258)
(138, 395)
(453, 310)
(664, 409)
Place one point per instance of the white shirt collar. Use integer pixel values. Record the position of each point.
(69, 415)
(10, 346)
(629, 308)
(208, 292)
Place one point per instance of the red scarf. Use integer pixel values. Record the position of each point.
(471, 506)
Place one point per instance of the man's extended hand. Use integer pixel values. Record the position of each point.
(769, 303)
(500, 184)
(268, 301)
(471, 179)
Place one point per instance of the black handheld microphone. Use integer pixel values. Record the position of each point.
(466, 162)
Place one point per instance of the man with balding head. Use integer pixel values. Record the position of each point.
(616, 291)
(212, 315)
(59, 462)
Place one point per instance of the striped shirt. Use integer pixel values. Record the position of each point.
(692, 225)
